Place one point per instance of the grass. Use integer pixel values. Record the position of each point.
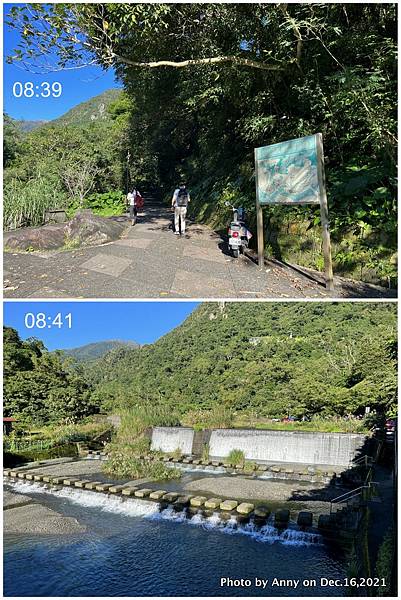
(316, 424)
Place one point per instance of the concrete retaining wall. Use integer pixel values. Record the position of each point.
(336, 449)
(288, 446)
(168, 439)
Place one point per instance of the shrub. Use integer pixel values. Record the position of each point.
(25, 203)
(205, 452)
(236, 457)
(177, 454)
(122, 463)
(106, 205)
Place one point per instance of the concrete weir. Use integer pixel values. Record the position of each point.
(299, 447)
(169, 439)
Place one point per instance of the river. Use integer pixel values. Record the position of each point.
(131, 549)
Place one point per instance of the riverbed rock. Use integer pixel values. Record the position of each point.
(228, 505)
(33, 518)
(213, 502)
(245, 508)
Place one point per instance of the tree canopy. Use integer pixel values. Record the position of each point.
(209, 82)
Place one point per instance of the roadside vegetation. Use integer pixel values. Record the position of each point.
(316, 73)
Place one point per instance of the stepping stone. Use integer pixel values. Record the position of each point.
(282, 515)
(103, 487)
(305, 518)
(129, 491)
(216, 463)
(47, 478)
(70, 481)
(13, 473)
(38, 477)
(6, 472)
(213, 502)
(166, 459)
(81, 483)
(116, 489)
(198, 501)
(21, 475)
(228, 505)
(261, 512)
(30, 476)
(262, 468)
(57, 480)
(196, 461)
(143, 493)
(157, 494)
(245, 508)
(170, 496)
(187, 460)
(275, 469)
(183, 501)
(91, 485)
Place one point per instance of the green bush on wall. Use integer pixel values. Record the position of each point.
(106, 205)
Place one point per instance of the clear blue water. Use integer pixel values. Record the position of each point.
(131, 550)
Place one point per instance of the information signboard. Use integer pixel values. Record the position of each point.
(291, 173)
(287, 173)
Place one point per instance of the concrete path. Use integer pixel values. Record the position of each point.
(151, 262)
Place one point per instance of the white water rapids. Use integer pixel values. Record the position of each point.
(133, 507)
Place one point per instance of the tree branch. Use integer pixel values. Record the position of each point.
(198, 61)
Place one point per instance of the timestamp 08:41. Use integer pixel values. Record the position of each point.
(43, 321)
(28, 89)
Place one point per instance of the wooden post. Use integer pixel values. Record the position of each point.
(259, 219)
(324, 215)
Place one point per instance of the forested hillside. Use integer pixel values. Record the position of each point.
(249, 75)
(76, 161)
(96, 350)
(275, 359)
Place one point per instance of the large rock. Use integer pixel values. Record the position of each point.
(85, 229)
(48, 237)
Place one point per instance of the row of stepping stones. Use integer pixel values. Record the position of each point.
(258, 470)
(177, 499)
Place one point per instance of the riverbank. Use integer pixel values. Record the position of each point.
(24, 515)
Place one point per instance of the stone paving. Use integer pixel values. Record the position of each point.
(150, 262)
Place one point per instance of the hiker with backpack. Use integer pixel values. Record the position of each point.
(179, 203)
(135, 202)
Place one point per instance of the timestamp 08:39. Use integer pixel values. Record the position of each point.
(28, 89)
(42, 321)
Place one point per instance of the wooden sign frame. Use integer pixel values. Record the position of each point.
(324, 213)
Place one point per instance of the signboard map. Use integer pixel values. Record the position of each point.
(287, 173)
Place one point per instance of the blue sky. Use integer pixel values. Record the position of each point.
(78, 85)
(142, 322)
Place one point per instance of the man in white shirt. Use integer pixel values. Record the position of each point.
(180, 202)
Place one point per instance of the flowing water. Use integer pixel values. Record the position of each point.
(132, 549)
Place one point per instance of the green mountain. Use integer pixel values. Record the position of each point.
(271, 358)
(97, 350)
(92, 110)
(27, 126)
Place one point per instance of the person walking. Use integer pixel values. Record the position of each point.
(133, 198)
(179, 203)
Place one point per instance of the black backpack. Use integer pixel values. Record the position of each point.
(182, 198)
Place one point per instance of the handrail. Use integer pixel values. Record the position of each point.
(351, 494)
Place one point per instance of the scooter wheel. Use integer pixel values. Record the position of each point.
(236, 253)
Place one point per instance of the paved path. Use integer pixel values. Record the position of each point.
(151, 262)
